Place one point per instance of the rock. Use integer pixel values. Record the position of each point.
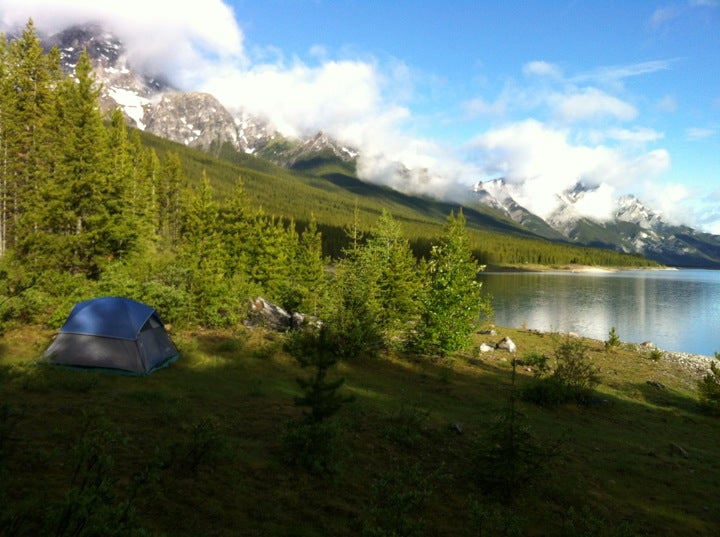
(507, 344)
(655, 384)
(488, 332)
(264, 313)
(484, 347)
(647, 345)
(677, 449)
(302, 320)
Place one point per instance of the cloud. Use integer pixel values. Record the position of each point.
(698, 133)
(634, 136)
(181, 40)
(541, 161)
(667, 104)
(591, 104)
(542, 68)
(614, 75)
(664, 14)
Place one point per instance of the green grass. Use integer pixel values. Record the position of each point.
(212, 425)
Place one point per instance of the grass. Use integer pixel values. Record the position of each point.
(207, 433)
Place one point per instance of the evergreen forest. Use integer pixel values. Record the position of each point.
(90, 207)
(387, 415)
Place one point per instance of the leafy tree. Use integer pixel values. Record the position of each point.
(452, 303)
(573, 379)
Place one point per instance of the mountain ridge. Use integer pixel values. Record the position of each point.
(200, 120)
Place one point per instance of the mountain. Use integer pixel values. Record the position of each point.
(151, 104)
(199, 120)
(496, 195)
(632, 228)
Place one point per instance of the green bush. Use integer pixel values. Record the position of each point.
(573, 379)
(613, 339)
(405, 427)
(709, 390)
(314, 446)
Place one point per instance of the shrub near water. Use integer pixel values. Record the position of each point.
(573, 379)
(709, 389)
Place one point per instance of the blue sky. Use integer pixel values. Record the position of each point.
(620, 95)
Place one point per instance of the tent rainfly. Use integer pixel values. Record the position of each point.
(113, 333)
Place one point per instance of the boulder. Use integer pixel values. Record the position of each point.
(484, 347)
(269, 315)
(507, 344)
(655, 384)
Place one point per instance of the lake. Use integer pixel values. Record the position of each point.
(677, 310)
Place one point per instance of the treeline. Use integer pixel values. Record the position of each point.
(330, 192)
(87, 210)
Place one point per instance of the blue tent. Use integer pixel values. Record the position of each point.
(113, 333)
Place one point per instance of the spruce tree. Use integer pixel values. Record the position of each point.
(29, 134)
(203, 257)
(390, 261)
(309, 275)
(353, 309)
(452, 302)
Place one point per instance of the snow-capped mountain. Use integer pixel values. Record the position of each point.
(199, 120)
(152, 104)
(632, 227)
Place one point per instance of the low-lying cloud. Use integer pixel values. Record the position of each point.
(548, 131)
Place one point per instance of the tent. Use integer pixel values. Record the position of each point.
(113, 333)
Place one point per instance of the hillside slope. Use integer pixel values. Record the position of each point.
(198, 449)
(326, 188)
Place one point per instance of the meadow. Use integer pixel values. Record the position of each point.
(199, 448)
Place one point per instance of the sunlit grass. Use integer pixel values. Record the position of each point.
(231, 394)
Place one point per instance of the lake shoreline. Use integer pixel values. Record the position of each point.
(583, 269)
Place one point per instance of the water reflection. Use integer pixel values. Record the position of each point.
(676, 310)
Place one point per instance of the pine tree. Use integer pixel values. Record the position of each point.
(352, 310)
(452, 303)
(28, 131)
(309, 277)
(397, 279)
(204, 259)
(168, 188)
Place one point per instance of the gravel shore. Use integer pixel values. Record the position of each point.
(695, 364)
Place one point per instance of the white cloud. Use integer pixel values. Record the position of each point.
(182, 40)
(591, 104)
(543, 69)
(667, 104)
(698, 133)
(664, 14)
(634, 136)
(541, 161)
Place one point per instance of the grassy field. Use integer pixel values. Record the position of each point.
(197, 448)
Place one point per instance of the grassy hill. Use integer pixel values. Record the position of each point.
(328, 189)
(197, 449)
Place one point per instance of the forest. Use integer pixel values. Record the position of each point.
(90, 207)
(385, 418)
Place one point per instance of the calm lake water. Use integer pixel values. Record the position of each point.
(678, 310)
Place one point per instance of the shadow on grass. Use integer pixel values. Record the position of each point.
(236, 389)
(661, 396)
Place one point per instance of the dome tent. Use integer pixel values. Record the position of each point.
(113, 333)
